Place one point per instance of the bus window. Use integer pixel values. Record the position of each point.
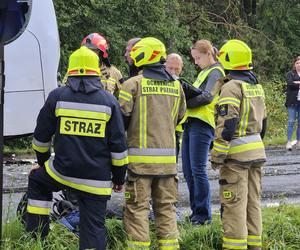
(14, 15)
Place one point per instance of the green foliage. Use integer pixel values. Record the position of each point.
(277, 112)
(281, 230)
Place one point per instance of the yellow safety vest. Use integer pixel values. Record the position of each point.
(205, 113)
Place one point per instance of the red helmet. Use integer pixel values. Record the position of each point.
(96, 41)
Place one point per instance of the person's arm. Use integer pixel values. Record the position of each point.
(126, 100)
(291, 84)
(45, 129)
(206, 96)
(228, 118)
(117, 146)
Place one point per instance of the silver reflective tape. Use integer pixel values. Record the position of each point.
(245, 140)
(137, 246)
(236, 244)
(39, 203)
(86, 182)
(152, 151)
(41, 144)
(119, 156)
(84, 107)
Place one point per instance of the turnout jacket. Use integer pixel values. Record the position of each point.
(89, 143)
(241, 120)
(152, 103)
(111, 79)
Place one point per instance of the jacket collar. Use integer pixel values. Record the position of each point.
(84, 84)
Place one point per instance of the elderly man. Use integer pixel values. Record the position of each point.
(174, 64)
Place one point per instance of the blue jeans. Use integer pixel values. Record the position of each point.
(293, 113)
(196, 140)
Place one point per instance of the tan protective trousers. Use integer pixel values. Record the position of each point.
(163, 192)
(240, 193)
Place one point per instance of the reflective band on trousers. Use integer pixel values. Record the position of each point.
(39, 207)
(41, 147)
(254, 240)
(119, 159)
(152, 155)
(138, 245)
(168, 244)
(86, 185)
(234, 243)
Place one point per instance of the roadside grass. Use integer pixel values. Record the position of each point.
(281, 232)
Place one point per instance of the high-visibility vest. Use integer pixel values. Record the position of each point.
(205, 112)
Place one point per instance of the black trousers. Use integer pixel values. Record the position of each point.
(92, 210)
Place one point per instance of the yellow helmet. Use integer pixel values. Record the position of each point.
(148, 50)
(236, 55)
(83, 62)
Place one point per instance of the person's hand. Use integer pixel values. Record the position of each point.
(296, 82)
(118, 188)
(34, 167)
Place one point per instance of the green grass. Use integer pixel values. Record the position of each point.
(281, 231)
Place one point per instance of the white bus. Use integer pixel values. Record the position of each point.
(31, 56)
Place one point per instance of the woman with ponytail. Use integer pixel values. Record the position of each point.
(199, 130)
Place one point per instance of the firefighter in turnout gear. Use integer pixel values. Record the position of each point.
(110, 76)
(90, 150)
(152, 103)
(238, 148)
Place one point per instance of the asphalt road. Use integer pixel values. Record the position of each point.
(280, 183)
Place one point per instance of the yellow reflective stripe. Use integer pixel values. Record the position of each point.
(255, 237)
(82, 114)
(138, 245)
(120, 162)
(111, 80)
(246, 147)
(82, 187)
(124, 98)
(244, 118)
(175, 108)
(229, 100)
(254, 240)
(230, 246)
(38, 210)
(125, 94)
(152, 159)
(234, 243)
(40, 149)
(143, 121)
(220, 147)
(39, 146)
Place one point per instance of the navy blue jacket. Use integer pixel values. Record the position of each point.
(89, 142)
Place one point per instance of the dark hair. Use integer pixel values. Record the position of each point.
(297, 58)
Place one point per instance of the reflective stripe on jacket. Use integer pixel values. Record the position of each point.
(154, 107)
(241, 105)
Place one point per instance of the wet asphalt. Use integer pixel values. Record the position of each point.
(280, 182)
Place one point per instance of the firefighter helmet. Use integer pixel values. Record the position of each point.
(148, 50)
(236, 55)
(83, 62)
(95, 41)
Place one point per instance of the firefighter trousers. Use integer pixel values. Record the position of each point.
(240, 193)
(164, 194)
(92, 210)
